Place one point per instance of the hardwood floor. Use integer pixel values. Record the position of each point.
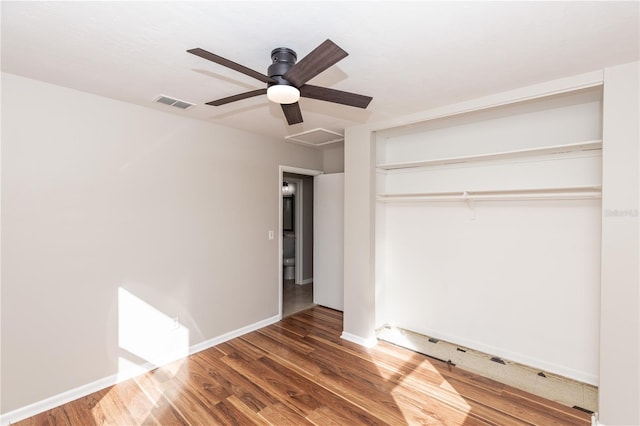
(299, 371)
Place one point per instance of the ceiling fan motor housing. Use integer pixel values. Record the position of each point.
(283, 59)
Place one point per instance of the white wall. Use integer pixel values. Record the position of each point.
(620, 309)
(101, 198)
(519, 281)
(359, 236)
(554, 120)
(334, 159)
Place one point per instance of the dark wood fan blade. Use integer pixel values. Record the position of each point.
(230, 64)
(335, 96)
(318, 60)
(238, 97)
(292, 113)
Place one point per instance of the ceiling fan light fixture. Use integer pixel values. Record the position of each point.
(283, 94)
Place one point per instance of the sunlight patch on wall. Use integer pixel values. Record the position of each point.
(147, 335)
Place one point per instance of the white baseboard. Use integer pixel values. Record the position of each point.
(89, 388)
(305, 281)
(233, 334)
(362, 341)
(56, 400)
(595, 421)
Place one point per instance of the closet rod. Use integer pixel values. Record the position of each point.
(578, 193)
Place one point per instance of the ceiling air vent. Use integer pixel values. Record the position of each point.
(316, 137)
(173, 102)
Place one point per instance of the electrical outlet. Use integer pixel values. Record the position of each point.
(271, 235)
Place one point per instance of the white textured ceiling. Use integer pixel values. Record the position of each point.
(409, 56)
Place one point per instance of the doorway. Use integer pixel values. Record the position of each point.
(296, 239)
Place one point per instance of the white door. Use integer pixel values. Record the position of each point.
(328, 240)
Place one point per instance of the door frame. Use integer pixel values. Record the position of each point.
(281, 170)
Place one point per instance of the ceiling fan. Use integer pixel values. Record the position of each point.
(286, 79)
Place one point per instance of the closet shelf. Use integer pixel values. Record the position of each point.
(556, 193)
(529, 152)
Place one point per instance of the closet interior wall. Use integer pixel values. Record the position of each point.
(488, 230)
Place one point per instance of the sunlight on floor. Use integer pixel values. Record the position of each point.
(424, 376)
(411, 408)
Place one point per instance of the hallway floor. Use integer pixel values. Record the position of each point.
(296, 298)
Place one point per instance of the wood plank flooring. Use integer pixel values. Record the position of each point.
(299, 371)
